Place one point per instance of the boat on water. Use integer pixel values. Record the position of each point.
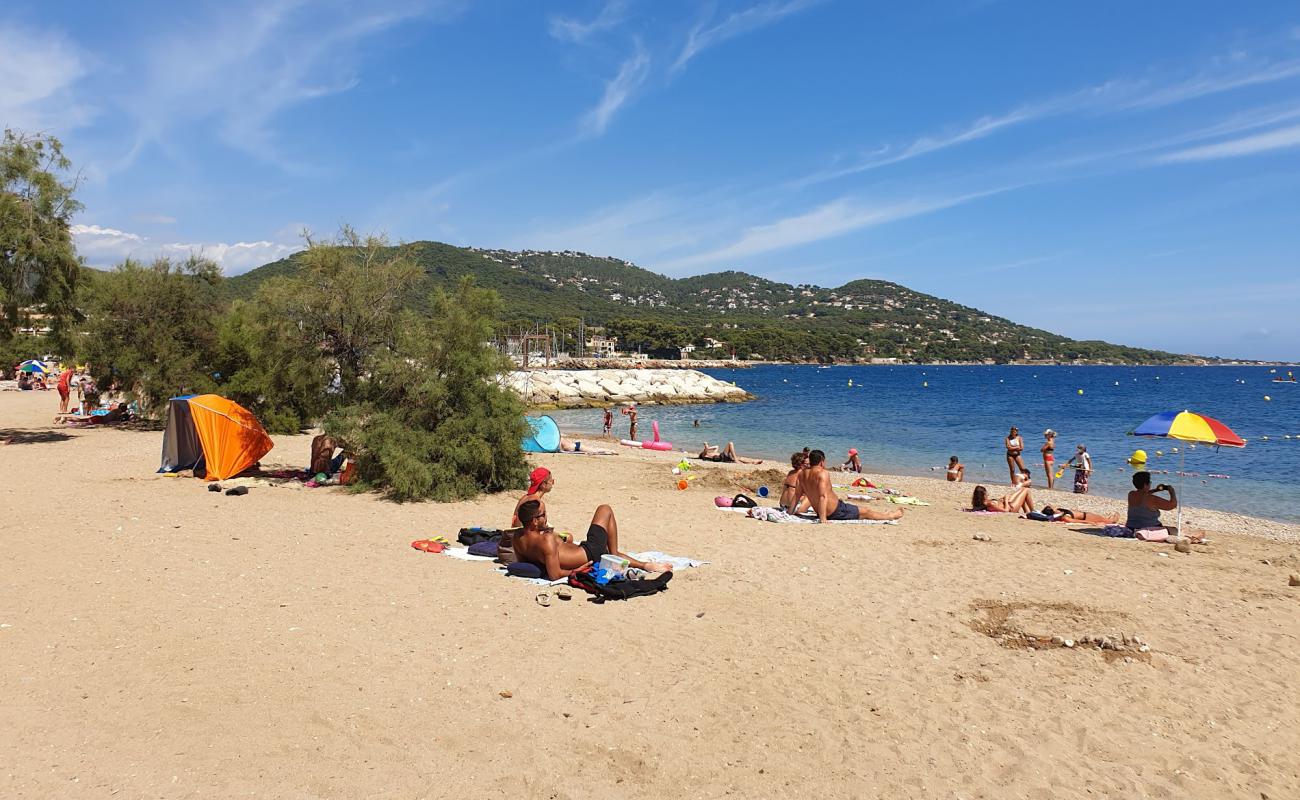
(1288, 379)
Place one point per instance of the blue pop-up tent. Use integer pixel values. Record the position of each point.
(543, 435)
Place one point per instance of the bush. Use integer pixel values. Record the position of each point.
(432, 421)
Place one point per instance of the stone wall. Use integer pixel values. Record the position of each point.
(589, 388)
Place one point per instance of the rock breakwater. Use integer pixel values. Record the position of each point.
(587, 388)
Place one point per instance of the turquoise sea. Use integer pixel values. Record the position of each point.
(909, 419)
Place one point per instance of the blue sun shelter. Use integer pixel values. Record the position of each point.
(543, 435)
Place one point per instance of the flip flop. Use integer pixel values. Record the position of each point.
(443, 540)
(563, 593)
(238, 491)
(544, 600)
(428, 546)
(213, 487)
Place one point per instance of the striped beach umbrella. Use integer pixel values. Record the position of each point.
(32, 365)
(1186, 426)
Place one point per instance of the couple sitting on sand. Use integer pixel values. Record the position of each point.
(537, 542)
(808, 487)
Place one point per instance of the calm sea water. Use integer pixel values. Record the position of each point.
(909, 419)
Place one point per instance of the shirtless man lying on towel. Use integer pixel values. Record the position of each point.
(815, 485)
(538, 544)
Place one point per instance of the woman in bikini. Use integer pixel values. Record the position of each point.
(1049, 459)
(1066, 515)
(790, 486)
(956, 470)
(1017, 501)
(1015, 446)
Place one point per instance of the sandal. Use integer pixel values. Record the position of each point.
(544, 600)
(563, 593)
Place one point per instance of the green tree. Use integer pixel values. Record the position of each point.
(39, 268)
(153, 328)
(432, 420)
(305, 343)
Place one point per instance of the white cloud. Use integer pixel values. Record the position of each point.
(703, 36)
(242, 67)
(618, 90)
(37, 73)
(1245, 146)
(982, 127)
(155, 219)
(1205, 85)
(105, 247)
(611, 15)
(836, 218)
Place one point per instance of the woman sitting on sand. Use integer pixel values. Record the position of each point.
(1066, 515)
(790, 486)
(1018, 501)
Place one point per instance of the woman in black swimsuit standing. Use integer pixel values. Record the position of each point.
(1015, 446)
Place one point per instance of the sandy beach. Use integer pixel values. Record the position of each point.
(159, 640)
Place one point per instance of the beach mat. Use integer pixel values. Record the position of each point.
(813, 520)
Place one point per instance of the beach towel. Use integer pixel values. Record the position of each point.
(1113, 531)
(464, 554)
(777, 515)
(904, 500)
(678, 562)
(980, 511)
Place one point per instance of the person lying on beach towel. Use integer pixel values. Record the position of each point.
(726, 455)
(1066, 515)
(814, 483)
(537, 543)
(118, 413)
(1018, 501)
(575, 446)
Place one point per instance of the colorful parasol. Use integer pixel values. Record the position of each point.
(1189, 427)
(34, 366)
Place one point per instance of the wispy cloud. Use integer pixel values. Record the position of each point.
(567, 29)
(1238, 77)
(38, 71)
(231, 69)
(105, 247)
(980, 128)
(1245, 146)
(836, 218)
(631, 74)
(706, 34)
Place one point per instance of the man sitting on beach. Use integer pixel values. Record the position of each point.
(540, 481)
(538, 544)
(815, 484)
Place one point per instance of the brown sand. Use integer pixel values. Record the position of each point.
(159, 640)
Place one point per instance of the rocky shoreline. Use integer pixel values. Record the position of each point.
(594, 388)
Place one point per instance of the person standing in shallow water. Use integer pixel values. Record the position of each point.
(1015, 446)
(631, 421)
(1049, 458)
(609, 421)
(1082, 463)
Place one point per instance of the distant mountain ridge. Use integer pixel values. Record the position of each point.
(751, 315)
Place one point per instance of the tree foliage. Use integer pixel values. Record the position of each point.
(305, 342)
(432, 420)
(39, 268)
(153, 328)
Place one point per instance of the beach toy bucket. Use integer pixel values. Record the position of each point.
(762, 491)
(682, 484)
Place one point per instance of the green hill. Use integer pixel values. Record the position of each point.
(752, 316)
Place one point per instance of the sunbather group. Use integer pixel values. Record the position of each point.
(807, 487)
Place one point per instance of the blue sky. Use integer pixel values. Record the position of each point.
(1126, 171)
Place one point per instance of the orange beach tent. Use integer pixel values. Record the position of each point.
(213, 436)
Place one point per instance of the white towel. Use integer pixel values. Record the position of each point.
(464, 555)
(777, 515)
(678, 562)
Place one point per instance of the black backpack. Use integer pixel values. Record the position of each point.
(743, 500)
(618, 590)
(469, 536)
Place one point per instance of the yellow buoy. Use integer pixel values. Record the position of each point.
(1266, 397)
(1080, 391)
(925, 384)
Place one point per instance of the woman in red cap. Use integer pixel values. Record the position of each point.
(540, 482)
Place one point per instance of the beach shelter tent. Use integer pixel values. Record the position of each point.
(543, 435)
(213, 436)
